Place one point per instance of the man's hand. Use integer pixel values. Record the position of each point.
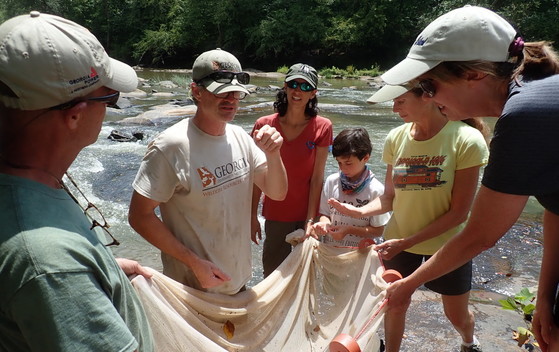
(132, 267)
(208, 274)
(255, 230)
(268, 139)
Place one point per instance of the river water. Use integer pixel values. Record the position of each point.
(106, 169)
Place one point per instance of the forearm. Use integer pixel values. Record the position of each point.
(314, 197)
(493, 213)
(275, 179)
(151, 228)
(256, 195)
(549, 273)
(436, 228)
(377, 206)
(366, 231)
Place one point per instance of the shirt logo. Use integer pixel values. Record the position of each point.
(208, 179)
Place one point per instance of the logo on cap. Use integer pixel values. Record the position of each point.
(420, 41)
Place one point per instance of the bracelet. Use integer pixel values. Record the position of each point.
(311, 221)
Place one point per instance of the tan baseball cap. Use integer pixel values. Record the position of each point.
(464, 34)
(47, 60)
(213, 61)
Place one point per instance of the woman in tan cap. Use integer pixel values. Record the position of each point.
(307, 137)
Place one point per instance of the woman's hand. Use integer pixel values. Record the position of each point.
(388, 249)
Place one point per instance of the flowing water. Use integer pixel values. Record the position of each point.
(106, 169)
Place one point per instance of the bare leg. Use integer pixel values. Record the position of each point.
(394, 326)
(457, 312)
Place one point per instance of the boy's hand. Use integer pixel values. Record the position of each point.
(319, 229)
(338, 232)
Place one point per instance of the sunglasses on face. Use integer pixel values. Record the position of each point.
(227, 77)
(304, 86)
(237, 95)
(428, 87)
(110, 100)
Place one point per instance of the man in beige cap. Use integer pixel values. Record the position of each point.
(62, 289)
(200, 173)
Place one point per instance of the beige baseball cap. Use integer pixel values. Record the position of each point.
(464, 34)
(214, 61)
(47, 60)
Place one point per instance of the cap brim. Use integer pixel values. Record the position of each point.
(386, 93)
(407, 70)
(216, 88)
(124, 78)
(291, 78)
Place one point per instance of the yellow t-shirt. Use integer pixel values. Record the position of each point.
(423, 177)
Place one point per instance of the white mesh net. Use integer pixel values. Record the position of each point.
(317, 293)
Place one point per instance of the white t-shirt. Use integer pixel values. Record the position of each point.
(332, 189)
(204, 184)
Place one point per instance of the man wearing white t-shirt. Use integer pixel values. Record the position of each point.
(200, 173)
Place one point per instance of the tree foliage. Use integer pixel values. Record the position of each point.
(269, 34)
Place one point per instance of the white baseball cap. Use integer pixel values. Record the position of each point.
(464, 34)
(47, 60)
(214, 61)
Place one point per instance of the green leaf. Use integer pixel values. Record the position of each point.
(508, 303)
(529, 309)
(525, 296)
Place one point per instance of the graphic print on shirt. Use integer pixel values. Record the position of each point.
(223, 176)
(418, 172)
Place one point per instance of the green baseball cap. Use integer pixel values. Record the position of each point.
(303, 71)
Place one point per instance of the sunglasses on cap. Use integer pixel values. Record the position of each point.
(304, 86)
(227, 77)
(110, 100)
(428, 87)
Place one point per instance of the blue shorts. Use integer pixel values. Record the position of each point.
(455, 283)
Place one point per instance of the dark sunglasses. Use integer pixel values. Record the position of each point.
(227, 77)
(304, 86)
(110, 100)
(428, 87)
